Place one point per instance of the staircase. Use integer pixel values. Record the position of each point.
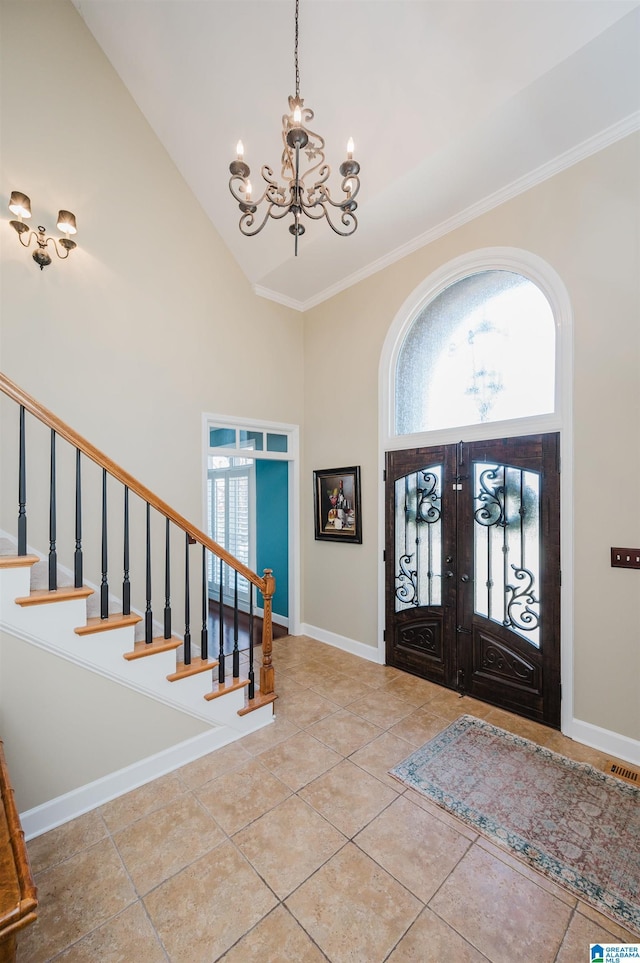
(47, 601)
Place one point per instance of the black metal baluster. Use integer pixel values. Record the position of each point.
(77, 555)
(148, 614)
(252, 684)
(236, 652)
(53, 555)
(204, 634)
(167, 582)
(187, 606)
(22, 490)
(221, 627)
(104, 585)
(126, 584)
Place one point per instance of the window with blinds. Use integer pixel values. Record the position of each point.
(231, 510)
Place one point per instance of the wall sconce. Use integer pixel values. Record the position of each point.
(20, 205)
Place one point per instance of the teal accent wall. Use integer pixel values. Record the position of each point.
(272, 527)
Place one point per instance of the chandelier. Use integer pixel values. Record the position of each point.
(305, 174)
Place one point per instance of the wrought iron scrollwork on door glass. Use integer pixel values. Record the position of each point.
(507, 547)
(418, 546)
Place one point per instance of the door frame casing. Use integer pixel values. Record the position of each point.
(292, 457)
(547, 279)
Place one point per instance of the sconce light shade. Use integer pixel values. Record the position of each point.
(20, 204)
(67, 222)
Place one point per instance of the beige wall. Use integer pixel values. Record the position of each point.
(147, 325)
(584, 223)
(64, 726)
(150, 322)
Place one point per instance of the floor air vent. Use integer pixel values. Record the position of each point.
(623, 771)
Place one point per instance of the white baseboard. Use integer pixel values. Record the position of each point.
(622, 747)
(60, 810)
(368, 652)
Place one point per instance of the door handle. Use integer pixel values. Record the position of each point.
(465, 578)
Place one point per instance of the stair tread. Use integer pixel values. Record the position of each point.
(18, 561)
(259, 700)
(158, 644)
(63, 594)
(197, 665)
(221, 688)
(115, 621)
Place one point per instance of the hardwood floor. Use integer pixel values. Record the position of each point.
(279, 631)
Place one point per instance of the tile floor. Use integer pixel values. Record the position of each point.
(294, 845)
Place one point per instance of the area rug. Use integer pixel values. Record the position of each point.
(571, 822)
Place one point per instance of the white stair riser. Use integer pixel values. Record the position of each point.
(51, 626)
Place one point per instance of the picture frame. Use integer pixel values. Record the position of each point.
(338, 515)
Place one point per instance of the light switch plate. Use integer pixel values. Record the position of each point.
(625, 557)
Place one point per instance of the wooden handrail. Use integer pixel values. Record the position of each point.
(266, 584)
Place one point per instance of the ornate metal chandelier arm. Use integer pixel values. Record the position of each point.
(248, 218)
(348, 219)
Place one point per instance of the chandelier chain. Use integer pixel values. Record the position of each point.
(296, 55)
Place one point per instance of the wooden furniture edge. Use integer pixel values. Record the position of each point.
(24, 912)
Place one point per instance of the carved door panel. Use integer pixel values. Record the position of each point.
(473, 570)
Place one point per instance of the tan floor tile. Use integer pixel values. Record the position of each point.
(126, 809)
(381, 755)
(521, 867)
(130, 936)
(441, 814)
(500, 912)
(419, 727)
(580, 933)
(237, 798)
(416, 849)
(348, 797)
(60, 843)
(344, 731)
(618, 933)
(304, 674)
(412, 689)
(448, 705)
(277, 937)
(268, 737)
(303, 712)
(200, 771)
(376, 675)
(353, 909)
(287, 844)
(341, 689)
(160, 844)
(430, 939)
(298, 760)
(381, 708)
(74, 898)
(207, 907)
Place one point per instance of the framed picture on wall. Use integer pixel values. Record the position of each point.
(337, 504)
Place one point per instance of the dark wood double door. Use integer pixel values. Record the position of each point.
(473, 570)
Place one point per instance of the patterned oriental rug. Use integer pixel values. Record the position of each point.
(571, 822)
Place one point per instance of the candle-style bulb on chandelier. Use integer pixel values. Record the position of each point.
(305, 174)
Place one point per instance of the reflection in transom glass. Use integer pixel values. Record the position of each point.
(418, 554)
(507, 547)
(482, 350)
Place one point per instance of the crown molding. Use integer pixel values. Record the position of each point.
(562, 162)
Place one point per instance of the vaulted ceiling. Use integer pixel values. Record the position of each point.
(454, 106)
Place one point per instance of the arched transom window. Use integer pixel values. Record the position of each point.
(480, 351)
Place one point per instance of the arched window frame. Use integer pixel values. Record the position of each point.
(488, 259)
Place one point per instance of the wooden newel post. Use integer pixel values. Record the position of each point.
(267, 675)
